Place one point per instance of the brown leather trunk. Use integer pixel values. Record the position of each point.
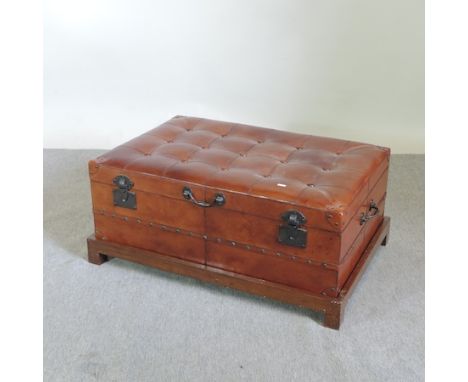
(219, 194)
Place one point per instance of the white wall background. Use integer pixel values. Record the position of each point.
(351, 69)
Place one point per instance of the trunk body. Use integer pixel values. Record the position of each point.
(339, 188)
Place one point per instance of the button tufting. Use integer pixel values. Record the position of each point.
(261, 152)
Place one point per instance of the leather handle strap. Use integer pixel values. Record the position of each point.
(219, 199)
(370, 214)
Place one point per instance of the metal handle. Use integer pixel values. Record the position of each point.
(219, 199)
(371, 213)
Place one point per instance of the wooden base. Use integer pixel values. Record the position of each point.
(100, 251)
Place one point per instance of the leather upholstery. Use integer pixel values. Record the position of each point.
(315, 172)
(261, 173)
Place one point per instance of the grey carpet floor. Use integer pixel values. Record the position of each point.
(126, 322)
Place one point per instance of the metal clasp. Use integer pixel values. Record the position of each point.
(122, 195)
(370, 214)
(292, 233)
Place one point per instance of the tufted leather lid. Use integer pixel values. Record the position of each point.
(308, 171)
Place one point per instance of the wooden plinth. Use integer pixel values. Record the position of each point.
(100, 251)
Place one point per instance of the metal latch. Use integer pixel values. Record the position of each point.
(292, 233)
(122, 195)
(370, 214)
